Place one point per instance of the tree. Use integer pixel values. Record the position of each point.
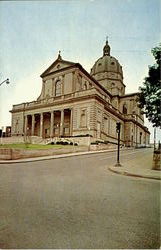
(150, 93)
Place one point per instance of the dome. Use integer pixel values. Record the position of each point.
(108, 72)
(106, 63)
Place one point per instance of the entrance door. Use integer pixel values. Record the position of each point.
(47, 135)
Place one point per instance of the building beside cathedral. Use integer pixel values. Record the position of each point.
(75, 103)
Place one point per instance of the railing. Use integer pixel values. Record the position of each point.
(53, 99)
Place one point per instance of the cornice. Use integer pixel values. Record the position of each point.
(80, 99)
(58, 60)
(130, 94)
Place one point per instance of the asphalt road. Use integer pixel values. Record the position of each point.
(76, 202)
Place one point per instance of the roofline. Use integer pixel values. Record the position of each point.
(57, 60)
(56, 71)
(130, 94)
(94, 80)
(78, 65)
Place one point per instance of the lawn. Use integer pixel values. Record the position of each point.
(32, 146)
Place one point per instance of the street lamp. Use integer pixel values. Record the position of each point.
(118, 128)
(5, 81)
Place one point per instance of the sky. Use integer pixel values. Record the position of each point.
(32, 33)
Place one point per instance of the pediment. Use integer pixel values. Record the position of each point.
(57, 65)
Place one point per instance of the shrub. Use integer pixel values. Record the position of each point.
(65, 143)
(94, 143)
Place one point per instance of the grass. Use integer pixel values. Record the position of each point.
(32, 146)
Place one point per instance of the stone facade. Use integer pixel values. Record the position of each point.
(73, 102)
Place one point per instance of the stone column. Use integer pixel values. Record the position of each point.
(33, 125)
(51, 123)
(41, 125)
(26, 123)
(71, 121)
(62, 123)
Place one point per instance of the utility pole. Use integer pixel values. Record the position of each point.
(118, 128)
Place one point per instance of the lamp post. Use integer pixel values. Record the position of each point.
(118, 128)
(5, 81)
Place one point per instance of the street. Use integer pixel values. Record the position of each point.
(76, 202)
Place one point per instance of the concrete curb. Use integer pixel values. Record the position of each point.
(125, 173)
(54, 156)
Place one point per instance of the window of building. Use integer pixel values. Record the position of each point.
(83, 121)
(112, 63)
(58, 88)
(105, 125)
(124, 110)
(84, 86)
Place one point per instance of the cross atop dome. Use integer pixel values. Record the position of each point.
(106, 49)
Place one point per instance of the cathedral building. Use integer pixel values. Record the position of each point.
(74, 103)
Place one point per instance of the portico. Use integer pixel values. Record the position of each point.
(55, 123)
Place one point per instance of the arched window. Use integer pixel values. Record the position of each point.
(124, 110)
(58, 88)
(84, 86)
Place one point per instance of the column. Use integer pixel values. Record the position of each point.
(41, 125)
(62, 123)
(33, 125)
(26, 123)
(51, 123)
(71, 121)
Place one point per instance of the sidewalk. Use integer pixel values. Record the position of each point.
(42, 158)
(140, 167)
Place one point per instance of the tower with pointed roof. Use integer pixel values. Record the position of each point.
(108, 72)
